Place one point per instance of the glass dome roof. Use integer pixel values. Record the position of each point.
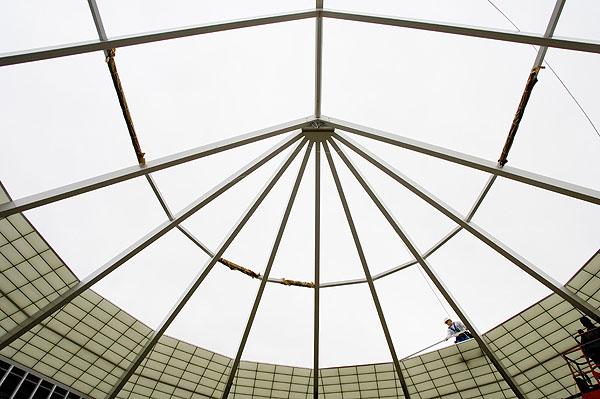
(319, 187)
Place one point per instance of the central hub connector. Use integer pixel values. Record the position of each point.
(317, 133)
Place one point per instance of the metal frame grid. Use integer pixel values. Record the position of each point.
(53, 323)
(180, 369)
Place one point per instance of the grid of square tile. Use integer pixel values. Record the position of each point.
(178, 370)
(459, 371)
(86, 345)
(31, 274)
(530, 344)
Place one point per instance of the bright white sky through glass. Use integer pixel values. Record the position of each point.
(60, 122)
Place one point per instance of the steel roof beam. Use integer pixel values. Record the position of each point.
(317, 270)
(107, 179)
(472, 228)
(430, 271)
(140, 356)
(39, 54)
(365, 266)
(263, 283)
(464, 30)
(144, 242)
(532, 179)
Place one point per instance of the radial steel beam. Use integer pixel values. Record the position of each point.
(533, 179)
(202, 274)
(365, 266)
(97, 20)
(318, 57)
(472, 228)
(263, 283)
(317, 269)
(143, 243)
(463, 30)
(558, 7)
(39, 54)
(430, 271)
(84, 186)
(14, 394)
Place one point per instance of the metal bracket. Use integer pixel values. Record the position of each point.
(318, 131)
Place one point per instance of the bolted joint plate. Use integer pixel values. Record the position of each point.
(320, 133)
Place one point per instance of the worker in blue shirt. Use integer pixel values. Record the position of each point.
(458, 330)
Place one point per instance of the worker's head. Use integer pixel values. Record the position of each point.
(448, 321)
(587, 323)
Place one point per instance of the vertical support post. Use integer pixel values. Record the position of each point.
(317, 268)
(36, 388)
(318, 57)
(558, 7)
(14, 394)
(363, 262)
(202, 275)
(265, 277)
(430, 272)
(98, 22)
(51, 392)
(6, 375)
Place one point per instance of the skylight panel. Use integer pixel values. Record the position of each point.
(464, 12)
(143, 16)
(189, 92)
(457, 92)
(64, 126)
(28, 25)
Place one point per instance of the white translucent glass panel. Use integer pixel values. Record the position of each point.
(31, 24)
(554, 232)
(533, 16)
(90, 229)
(578, 20)
(143, 16)
(60, 125)
(189, 92)
(530, 17)
(457, 92)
